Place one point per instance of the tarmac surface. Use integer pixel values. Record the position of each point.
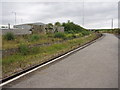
(95, 66)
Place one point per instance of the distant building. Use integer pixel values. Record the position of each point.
(22, 26)
(34, 27)
(29, 28)
(3, 26)
(40, 27)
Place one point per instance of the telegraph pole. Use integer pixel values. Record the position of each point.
(83, 12)
(112, 24)
(21, 20)
(119, 14)
(15, 17)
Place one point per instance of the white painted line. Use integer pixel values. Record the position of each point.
(2, 84)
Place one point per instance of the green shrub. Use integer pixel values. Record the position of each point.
(69, 36)
(34, 37)
(75, 35)
(9, 36)
(84, 33)
(60, 35)
(23, 48)
(80, 34)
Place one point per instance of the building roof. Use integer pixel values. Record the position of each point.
(37, 23)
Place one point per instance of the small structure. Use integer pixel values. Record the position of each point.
(41, 28)
(50, 28)
(60, 29)
(34, 27)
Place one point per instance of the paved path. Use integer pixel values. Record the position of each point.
(96, 66)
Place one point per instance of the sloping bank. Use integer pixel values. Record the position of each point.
(18, 62)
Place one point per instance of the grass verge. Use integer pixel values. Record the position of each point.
(15, 63)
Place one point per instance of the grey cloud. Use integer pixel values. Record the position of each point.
(95, 12)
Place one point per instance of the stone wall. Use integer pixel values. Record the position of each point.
(39, 29)
(16, 31)
(60, 29)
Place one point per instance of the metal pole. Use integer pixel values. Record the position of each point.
(112, 24)
(83, 12)
(15, 17)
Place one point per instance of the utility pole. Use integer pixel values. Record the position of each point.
(83, 12)
(21, 20)
(112, 24)
(15, 17)
(119, 14)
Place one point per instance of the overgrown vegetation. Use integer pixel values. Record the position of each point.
(60, 35)
(37, 55)
(9, 36)
(23, 48)
(29, 40)
(34, 37)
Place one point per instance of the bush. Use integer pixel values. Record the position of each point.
(75, 35)
(80, 34)
(60, 35)
(34, 37)
(84, 33)
(69, 36)
(9, 36)
(23, 48)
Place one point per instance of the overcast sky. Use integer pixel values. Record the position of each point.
(97, 14)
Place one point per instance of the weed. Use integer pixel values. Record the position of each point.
(59, 35)
(34, 50)
(34, 37)
(9, 36)
(23, 48)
